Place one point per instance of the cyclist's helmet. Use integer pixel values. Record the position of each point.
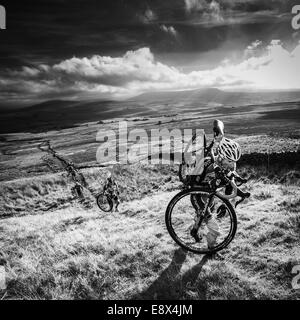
(229, 149)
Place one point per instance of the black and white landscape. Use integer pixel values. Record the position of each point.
(71, 68)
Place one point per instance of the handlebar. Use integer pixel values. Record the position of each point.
(237, 192)
(240, 181)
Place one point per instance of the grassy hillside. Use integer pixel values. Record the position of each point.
(73, 253)
(68, 252)
(42, 193)
(52, 191)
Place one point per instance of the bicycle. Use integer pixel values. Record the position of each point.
(210, 226)
(105, 202)
(186, 166)
(103, 199)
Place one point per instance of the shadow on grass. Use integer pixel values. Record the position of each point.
(171, 285)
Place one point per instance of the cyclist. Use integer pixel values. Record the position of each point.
(227, 151)
(218, 129)
(112, 188)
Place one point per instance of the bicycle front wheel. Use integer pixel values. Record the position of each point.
(216, 230)
(104, 202)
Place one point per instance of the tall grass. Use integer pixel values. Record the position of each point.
(31, 195)
(76, 253)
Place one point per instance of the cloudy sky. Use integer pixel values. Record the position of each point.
(88, 49)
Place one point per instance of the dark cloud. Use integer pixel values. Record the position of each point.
(47, 32)
(44, 30)
(263, 67)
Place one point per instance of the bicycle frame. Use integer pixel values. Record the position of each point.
(230, 177)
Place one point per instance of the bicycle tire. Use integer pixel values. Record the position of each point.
(104, 202)
(174, 236)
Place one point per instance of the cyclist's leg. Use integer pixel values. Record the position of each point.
(110, 197)
(197, 202)
(222, 209)
(213, 232)
(116, 202)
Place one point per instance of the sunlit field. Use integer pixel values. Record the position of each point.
(122, 95)
(53, 248)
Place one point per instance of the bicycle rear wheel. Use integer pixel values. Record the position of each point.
(215, 232)
(104, 202)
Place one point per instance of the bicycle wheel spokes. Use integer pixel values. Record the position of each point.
(215, 230)
(104, 202)
(183, 219)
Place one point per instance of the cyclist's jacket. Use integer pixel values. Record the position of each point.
(112, 188)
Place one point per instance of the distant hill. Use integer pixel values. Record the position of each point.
(58, 114)
(215, 96)
(162, 96)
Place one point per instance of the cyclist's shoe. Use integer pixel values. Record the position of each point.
(221, 211)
